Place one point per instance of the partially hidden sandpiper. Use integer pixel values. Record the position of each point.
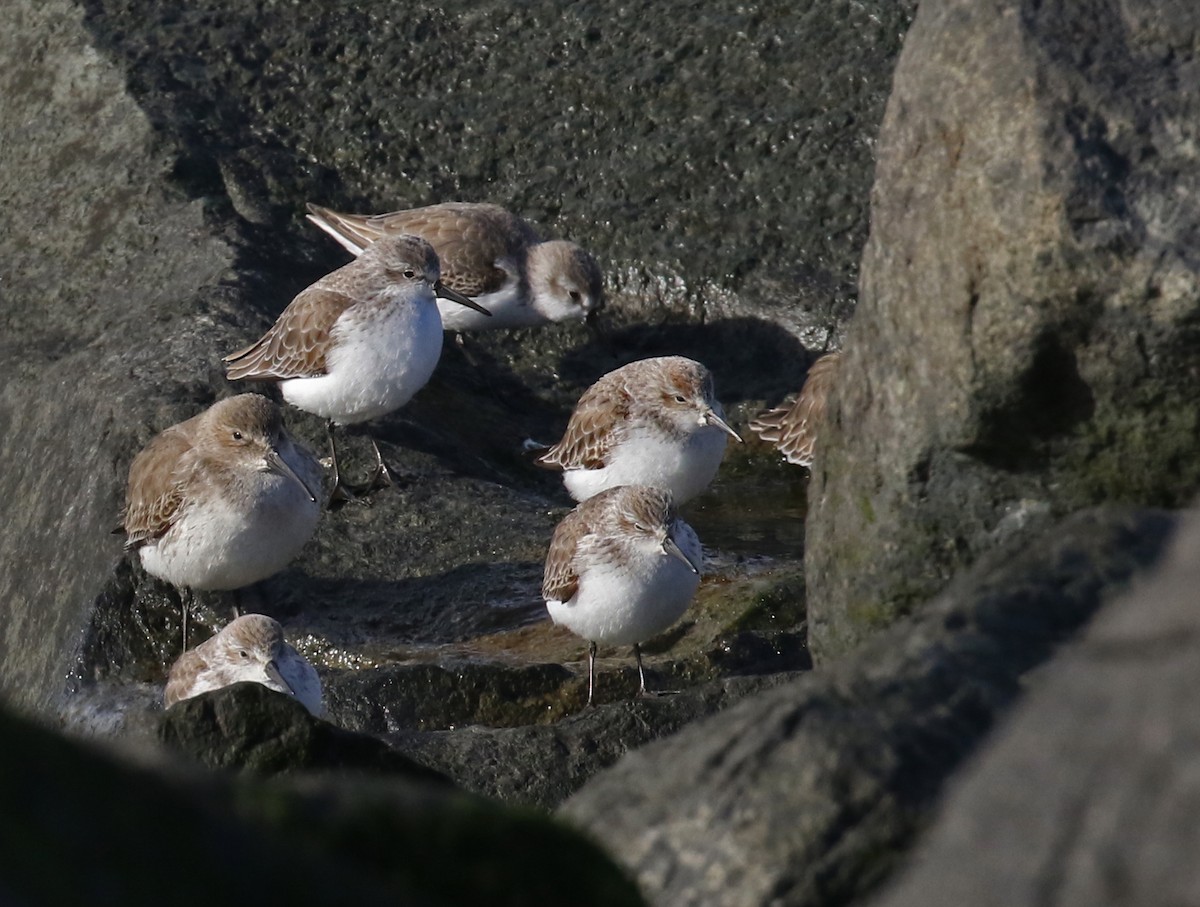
(222, 500)
(490, 255)
(652, 422)
(358, 343)
(622, 568)
(250, 648)
(793, 427)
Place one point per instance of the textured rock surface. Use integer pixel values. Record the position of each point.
(76, 826)
(1090, 793)
(1025, 341)
(806, 794)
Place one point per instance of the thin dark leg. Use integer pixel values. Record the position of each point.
(382, 477)
(185, 598)
(637, 653)
(591, 672)
(340, 494)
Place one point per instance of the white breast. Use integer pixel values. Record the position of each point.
(509, 306)
(652, 458)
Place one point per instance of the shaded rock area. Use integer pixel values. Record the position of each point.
(76, 826)
(808, 794)
(1089, 794)
(1025, 342)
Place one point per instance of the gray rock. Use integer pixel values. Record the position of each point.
(1089, 794)
(249, 728)
(807, 794)
(1027, 332)
(76, 826)
(542, 765)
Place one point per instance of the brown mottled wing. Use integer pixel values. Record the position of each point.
(295, 345)
(183, 674)
(153, 497)
(793, 429)
(560, 581)
(590, 434)
(478, 245)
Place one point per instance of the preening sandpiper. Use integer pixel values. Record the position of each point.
(490, 255)
(793, 427)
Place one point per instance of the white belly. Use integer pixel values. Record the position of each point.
(375, 367)
(618, 605)
(219, 546)
(510, 308)
(651, 459)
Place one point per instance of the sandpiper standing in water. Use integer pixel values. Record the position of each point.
(653, 422)
(622, 568)
(222, 500)
(359, 342)
(251, 648)
(490, 255)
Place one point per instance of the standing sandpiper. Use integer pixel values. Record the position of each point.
(793, 427)
(222, 500)
(622, 568)
(359, 342)
(489, 254)
(653, 422)
(251, 648)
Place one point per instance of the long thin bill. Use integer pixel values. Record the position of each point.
(277, 464)
(711, 418)
(440, 289)
(669, 547)
(272, 671)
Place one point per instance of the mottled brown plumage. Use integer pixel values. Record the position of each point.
(793, 427)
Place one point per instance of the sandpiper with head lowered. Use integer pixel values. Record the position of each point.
(251, 648)
(652, 422)
(793, 427)
(622, 568)
(222, 500)
(359, 342)
(490, 255)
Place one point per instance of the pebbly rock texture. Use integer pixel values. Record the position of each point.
(75, 825)
(807, 794)
(1025, 342)
(153, 192)
(1089, 794)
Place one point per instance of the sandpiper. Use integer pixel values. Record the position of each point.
(622, 568)
(222, 500)
(489, 254)
(250, 648)
(793, 427)
(652, 422)
(359, 342)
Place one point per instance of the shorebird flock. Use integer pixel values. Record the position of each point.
(228, 498)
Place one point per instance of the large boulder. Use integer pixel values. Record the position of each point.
(808, 794)
(1025, 341)
(1089, 794)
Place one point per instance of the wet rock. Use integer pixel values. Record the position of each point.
(74, 823)
(543, 765)
(1025, 340)
(247, 727)
(808, 793)
(1089, 794)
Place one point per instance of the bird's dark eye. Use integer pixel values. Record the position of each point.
(409, 273)
(244, 654)
(237, 436)
(679, 398)
(575, 295)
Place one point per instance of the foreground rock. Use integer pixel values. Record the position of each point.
(1025, 341)
(74, 823)
(1089, 795)
(807, 794)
